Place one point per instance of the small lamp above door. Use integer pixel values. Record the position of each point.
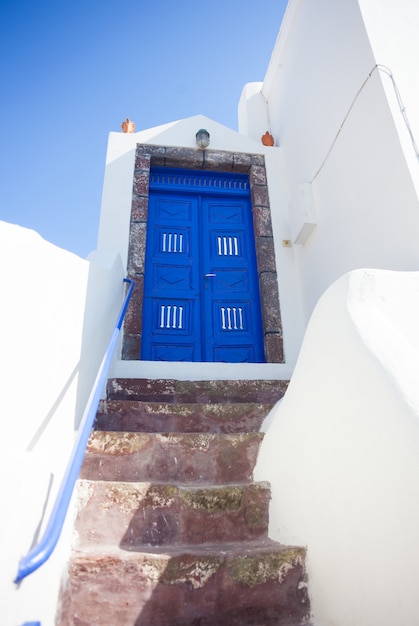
(202, 138)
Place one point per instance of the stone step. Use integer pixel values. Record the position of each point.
(170, 528)
(153, 417)
(133, 515)
(207, 391)
(201, 458)
(246, 584)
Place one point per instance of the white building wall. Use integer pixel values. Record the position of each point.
(392, 29)
(57, 316)
(342, 452)
(333, 122)
(341, 449)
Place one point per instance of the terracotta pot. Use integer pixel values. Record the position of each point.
(267, 139)
(128, 126)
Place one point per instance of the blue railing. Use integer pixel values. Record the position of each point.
(44, 548)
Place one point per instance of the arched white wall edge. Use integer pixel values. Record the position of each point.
(253, 118)
(342, 452)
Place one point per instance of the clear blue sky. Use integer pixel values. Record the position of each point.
(71, 72)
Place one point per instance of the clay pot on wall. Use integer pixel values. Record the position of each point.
(267, 139)
(128, 126)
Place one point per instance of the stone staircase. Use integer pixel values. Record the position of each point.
(171, 530)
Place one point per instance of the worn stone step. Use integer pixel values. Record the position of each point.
(203, 458)
(131, 515)
(207, 391)
(249, 584)
(153, 417)
(170, 530)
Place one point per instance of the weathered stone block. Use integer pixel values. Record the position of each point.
(186, 458)
(157, 154)
(242, 162)
(142, 160)
(131, 347)
(258, 175)
(136, 255)
(260, 195)
(166, 417)
(141, 182)
(218, 161)
(139, 208)
(133, 317)
(184, 157)
(150, 150)
(262, 221)
(270, 302)
(258, 159)
(137, 514)
(274, 351)
(265, 253)
(204, 391)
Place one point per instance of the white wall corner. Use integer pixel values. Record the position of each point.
(253, 118)
(302, 213)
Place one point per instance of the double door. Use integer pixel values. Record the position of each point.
(201, 294)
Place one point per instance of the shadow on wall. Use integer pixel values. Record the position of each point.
(50, 415)
(104, 296)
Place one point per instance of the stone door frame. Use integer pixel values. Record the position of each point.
(148, 156)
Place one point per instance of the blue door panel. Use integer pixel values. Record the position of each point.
(226, 243)
(171, 240)
(171, 317)
(170, 210)
(172, 352)
(201, 293)
(233, 325)
(231, 299)
(230, 281)
(234, 354)
(174, 277)
(221, 212)
(232, 318)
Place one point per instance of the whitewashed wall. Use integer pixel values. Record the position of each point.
(339, 135)
(342, 449)
(57, 315)
(392, 29)
(342, 452)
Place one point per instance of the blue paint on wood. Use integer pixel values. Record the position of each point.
(201, 292)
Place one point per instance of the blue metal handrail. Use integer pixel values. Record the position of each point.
(44, 548)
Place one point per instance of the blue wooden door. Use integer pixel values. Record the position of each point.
(201, 295)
